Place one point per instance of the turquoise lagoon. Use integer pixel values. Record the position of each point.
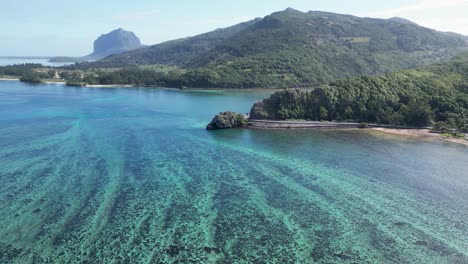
(130, 175)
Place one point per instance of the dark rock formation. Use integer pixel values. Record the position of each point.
(227, 120)
(115, 42)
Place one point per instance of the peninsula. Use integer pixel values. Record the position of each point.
(434, 97)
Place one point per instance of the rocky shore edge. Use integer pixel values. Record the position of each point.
(226, 120)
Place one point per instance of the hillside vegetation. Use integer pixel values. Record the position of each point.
(295, 49)
(176, 52)
(435, 94)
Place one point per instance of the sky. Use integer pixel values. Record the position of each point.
(69, 28)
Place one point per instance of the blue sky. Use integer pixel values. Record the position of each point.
(53, 27)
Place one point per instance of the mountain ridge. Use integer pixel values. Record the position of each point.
(184, 48)
(291, 48)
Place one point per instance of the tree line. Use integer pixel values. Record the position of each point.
(437, 94)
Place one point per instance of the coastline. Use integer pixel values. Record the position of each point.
(109, 85)
(90, 86)
(17, 79)
(273, 124)
(425, 133)
(395, 130)
(147, 86)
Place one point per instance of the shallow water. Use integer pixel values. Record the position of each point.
(131, 176)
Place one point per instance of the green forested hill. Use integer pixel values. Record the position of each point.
(296, 49)
(176, 52)
(438, 93)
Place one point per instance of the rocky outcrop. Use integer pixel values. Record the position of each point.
(114, 42)
(227, 120)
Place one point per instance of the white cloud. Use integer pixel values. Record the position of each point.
(421, 6)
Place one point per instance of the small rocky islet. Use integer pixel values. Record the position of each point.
(227, 119)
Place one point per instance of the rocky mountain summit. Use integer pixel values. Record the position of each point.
(112, 43)
(115, 42)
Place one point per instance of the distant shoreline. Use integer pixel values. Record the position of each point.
(147, 86)
(275, 124)
(64, 83)
(26, 57)
(46, 82)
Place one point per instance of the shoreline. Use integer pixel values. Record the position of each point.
(146, 86)
(44, 82)
(89, 86)
(272, 124)
(395, 130)
(109, 86)
(275, 124)
(424, 133)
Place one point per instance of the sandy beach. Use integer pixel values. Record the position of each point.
(90, 86)
(402, 131)
(420, 133)
(109, 85)
(48, 82)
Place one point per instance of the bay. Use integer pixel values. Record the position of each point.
(130, 175)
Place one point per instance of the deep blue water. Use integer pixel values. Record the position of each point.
(130, 175)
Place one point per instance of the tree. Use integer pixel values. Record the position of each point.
(323, 113)
(418, 114)
(440, 126)
(31, 77)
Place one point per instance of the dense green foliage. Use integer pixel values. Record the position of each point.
(139, 77)
(31, 76)
(29, 72)
(438, 93)
(18, 70)
(296, 49)
(227, 120)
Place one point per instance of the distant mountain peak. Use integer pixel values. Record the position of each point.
(114, 42)
(290, 9)
(402, 20)
(119, 30)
